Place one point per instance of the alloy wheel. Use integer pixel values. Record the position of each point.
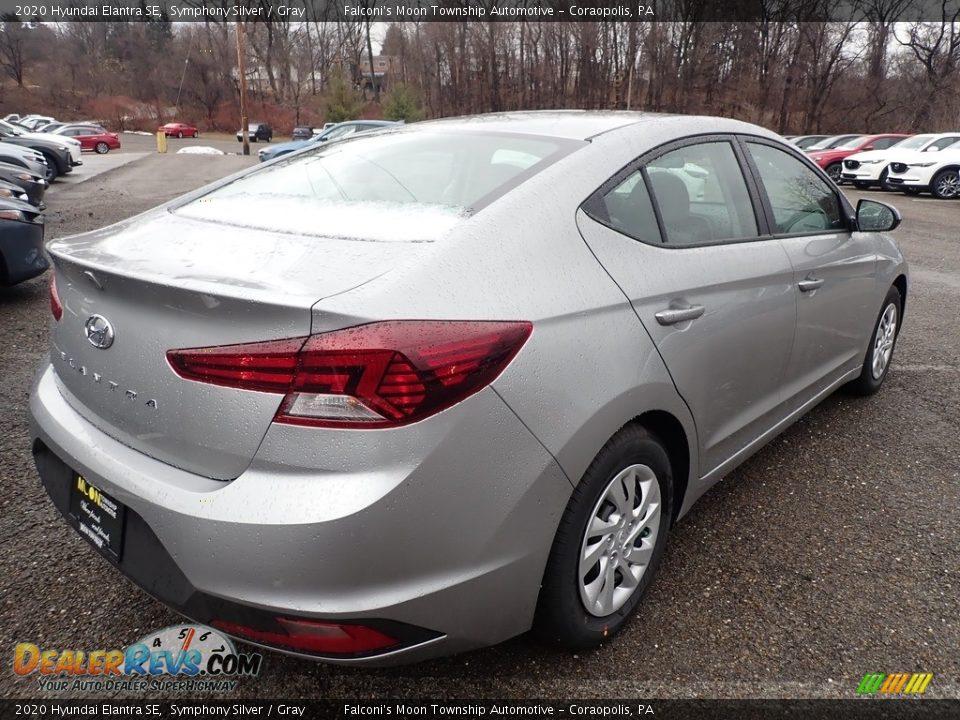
(619, 540)
(883, 343)
(948, 185)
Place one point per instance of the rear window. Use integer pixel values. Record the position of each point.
(398, 186)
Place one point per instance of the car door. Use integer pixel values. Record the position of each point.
(834, 269)
(681, 232)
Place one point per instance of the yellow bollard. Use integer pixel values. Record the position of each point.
(161, 141)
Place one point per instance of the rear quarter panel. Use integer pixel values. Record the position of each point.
(589, 366)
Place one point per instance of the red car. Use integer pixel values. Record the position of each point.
(91, 137)
(831, 159)
(178, 130)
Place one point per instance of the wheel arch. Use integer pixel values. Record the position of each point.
(670, 431)
(901, 284)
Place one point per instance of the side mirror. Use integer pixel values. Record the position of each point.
(869, 147)
(875, 216)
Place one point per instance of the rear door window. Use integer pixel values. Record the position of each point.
(702, 195)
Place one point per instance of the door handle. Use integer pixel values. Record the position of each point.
(678, 315)
(809, 284)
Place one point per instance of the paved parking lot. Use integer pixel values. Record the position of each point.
(833, 552)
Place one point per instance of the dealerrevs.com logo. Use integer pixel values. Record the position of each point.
(179, 657)
(894, 683)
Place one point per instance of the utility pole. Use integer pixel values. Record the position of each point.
(242, 66)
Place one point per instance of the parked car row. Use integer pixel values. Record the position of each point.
(912, 164)
(34, 151)
(25, 165)
(49, 136)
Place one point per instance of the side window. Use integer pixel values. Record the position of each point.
(884, 143)
(630, 210)
(802, 201)
(702, 195)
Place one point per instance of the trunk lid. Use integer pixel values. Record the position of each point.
(164, 281)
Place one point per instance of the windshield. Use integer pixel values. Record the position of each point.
(831, 142)
(852, 144)
(10, 129)
(398, 186)
(915, 143)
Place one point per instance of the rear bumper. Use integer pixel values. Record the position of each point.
(447, 537)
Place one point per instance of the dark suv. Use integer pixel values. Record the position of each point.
(256, 131)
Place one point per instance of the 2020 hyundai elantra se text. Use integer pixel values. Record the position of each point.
(420, 391)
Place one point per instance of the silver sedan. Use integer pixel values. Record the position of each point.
(426, 389)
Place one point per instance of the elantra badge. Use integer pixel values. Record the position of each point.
(99, 331)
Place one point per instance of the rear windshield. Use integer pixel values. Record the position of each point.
(394, 186)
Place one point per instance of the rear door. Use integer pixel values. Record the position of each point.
(682, 235)
(834, 269)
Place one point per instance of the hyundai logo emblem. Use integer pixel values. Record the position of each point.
(99, 331)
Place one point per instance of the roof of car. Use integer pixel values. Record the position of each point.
(577, 124)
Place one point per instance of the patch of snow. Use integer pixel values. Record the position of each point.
(200, 150)
(136, 132)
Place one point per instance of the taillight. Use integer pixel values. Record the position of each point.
(370, 376)
(312, 636)
(56, 308)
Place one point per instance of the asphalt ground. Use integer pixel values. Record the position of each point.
(832, 553)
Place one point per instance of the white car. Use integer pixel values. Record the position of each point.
(937, 173)
(871, 167)
(69, 143)
(32, 122)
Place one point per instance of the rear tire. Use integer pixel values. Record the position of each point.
(597, 574)
(883, 340)
(101, 148)
(179, 134)
(834, 170)
(195, 134)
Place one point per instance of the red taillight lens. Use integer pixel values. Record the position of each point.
(311, 636)
(56, 309)
(370, 376)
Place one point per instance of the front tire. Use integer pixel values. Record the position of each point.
(876, 364)
(195, 134)
(945, 185)
(884, 185)
(101, 148)
(860, 185)
(609, 543)
(53, 170)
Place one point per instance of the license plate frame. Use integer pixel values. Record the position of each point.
(98, 516)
